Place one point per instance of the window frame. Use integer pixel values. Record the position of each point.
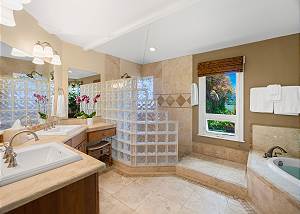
(238, 119)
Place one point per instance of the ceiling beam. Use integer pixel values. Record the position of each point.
(170, 9)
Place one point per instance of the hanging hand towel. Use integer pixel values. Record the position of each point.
(52, 106)
(274, 92)
(61, 110)
(194, 94)
(259, 101)
(289, 104)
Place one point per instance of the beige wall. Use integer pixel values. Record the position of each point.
(172, 82)
(274, 61)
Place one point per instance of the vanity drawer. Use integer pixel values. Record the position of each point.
(78, 139)
(101, 134)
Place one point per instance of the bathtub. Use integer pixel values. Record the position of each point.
(288, 168)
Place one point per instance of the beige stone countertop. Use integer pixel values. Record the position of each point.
(259, 165)
(21, 192)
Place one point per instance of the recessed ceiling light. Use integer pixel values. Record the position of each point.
(152, 49)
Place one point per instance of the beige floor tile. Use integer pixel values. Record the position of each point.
(112, 182)
(112, 206)
(134, 193)
(206, 201)
(165, 194)
(157, 204)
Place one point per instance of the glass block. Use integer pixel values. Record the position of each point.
(20, 85)
(151, 160)
(151, 127)
(126, 126)
(151, 137)
(151, 150)
(141, 127)
(5, 94)
(127, 147)
(161, 149)
(151, 116)
(5, 116)
(162, 127)
(140, 150)
(32, 85)
(19, 95)
(140, 138)
(172, 138)
(161, 159)
(19, 104)
(126, 137)
(5, 104)
(172, 159)
(127, 158)
(171, 148)
(140, 160)
(162, 138)
(141, 116)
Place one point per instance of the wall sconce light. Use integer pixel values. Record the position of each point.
(7, 8)
(43, 50)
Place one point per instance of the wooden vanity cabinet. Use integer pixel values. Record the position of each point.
(97, 136)
(78, 142)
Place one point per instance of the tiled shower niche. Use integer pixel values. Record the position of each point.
(145, 135)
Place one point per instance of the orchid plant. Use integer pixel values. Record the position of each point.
(84, 99)
(42, 101)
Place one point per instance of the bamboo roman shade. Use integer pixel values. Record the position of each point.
(233, 64)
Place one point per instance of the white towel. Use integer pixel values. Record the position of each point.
(289, 104)
(52, 107)
(259, 101)
(194, 94)
(61, 110)
(274, 92)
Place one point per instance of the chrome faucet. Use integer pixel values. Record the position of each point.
(269, 153)
(9, 154)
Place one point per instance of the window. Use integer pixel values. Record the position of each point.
(221, 106)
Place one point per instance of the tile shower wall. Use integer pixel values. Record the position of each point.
(264, 137)
(172, 83)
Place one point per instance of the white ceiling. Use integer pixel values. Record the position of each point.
(75, 73)
(127, 28)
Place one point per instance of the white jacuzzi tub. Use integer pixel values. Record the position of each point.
(288, 168)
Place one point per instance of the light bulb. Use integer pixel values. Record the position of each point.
(48, 52)
(38, 50)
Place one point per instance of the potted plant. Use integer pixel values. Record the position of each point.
(42, 101)
(85, 100)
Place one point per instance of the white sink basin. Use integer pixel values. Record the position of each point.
(59, 130)
(36, 159)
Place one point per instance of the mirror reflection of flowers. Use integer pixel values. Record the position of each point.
(42, 101)
(86, 101)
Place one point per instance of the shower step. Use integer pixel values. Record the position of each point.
(223, 175)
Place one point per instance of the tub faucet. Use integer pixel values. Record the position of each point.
(9, 154)
(269, 153)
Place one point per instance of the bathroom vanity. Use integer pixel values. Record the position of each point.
(72, 188)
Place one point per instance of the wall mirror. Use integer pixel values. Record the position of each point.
(26, 89)
(77, 80)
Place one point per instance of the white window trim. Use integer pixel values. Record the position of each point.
(238, 119)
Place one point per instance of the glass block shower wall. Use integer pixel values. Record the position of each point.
(90, 90)
(17, 100)
(145, 135)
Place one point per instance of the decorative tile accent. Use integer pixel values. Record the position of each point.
(170, 100)
(180, 100)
